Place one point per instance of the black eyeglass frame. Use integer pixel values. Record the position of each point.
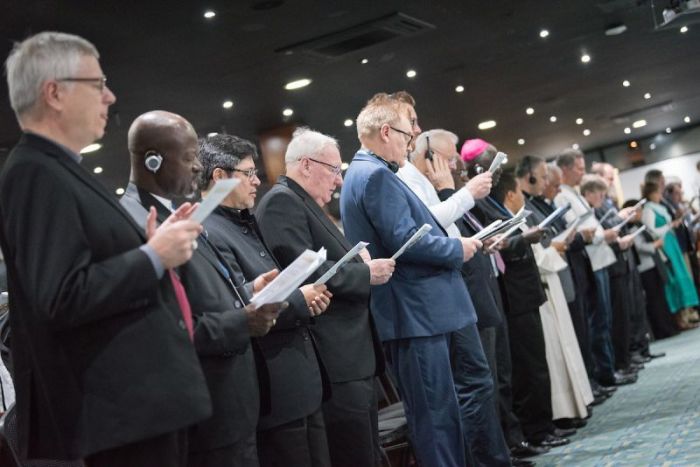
(410, 135)
(335, 169)
(100, 82)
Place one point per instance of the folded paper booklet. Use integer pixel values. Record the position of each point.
(487, 230)
(638, 231)
(501, 158)
(561, 238)
(217, 194)
(619, 226)
(507, 233)
(290, 278)
(557, 214)
(420, 233)
(610, 212)
(341, 262)
(507, 225)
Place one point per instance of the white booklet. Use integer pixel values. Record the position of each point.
(557, 214)
(341, 262)
(501, 158)
(638, 231)
(420, 233)
(290, 278)
(217, 194)
(505, 235)
(486, 231)
(561, 238)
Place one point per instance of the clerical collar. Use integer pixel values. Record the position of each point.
(76, 157)
(164, 201)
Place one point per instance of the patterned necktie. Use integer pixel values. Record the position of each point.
(500, 264)
(183, 302)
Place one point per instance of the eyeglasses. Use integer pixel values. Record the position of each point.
(250, 173)
(99, 83)
(410, 135)
(335, 169)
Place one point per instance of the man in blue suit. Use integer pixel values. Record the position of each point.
(426, 298)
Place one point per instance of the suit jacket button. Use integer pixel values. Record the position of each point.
(245, 230)
(237, 304)
(262, 253)
(297, 322)
(182, 325)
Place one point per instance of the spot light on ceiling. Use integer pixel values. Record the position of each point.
(529, 111)
(684, 29)
(209, 14)
(586, 132)
(297, 84)
(544, 33)
(639, 123)
(647, 95)
(97, 170)
(119, 191)
(227, 105)
(576, 146)
(487, 125)
(633, 144)
(628, 130)
(287, 112)
(626, 83)
(411, 73)
(364, 61)
(90, 148)
(459, 88)
(553, 119)
(579, 121)
(213, 133)
(686, 119)
(585, 58)
(521, 141)
(348, 122)
(668, 130)
(615, 29)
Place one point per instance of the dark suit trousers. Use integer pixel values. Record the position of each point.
(532, 395)
(352, 424)
(601, 321)
(421, 367)
(585, 300)
(622, 301)
(473, 382)
(165, 450)
(509, 421)
(243, 453)
(639, 327)
(660, 318)
(301, 443)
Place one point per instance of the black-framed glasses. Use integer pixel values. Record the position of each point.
(250, 173)
(99, 83)
(410, 135)
(335, 169)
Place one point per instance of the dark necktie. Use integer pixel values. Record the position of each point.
(500, 264)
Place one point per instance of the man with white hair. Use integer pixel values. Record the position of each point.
(104, 364)
(426, 298)
(291, 220)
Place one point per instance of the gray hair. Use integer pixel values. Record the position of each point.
(42, 57)
(381, 109)
(568, 157)
(553, 168)
(422, 141)
(591, 183)
(307, 142)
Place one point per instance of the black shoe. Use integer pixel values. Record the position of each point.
(525, 449)
(597, 400)
(551, 441)
(628, 371)
(655, 355)
(564, 432)
(517, 462)
(640, 359)
(607, 390)
(565, 423)
(620, 379)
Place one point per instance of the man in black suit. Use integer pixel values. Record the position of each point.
(291, 219)
(293, 433)
(164, 166)
(104, 366)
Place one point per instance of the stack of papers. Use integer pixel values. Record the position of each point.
(290, 278)
(505, 226)
(501, 158)
(557, 214)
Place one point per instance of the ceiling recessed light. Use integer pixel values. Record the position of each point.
(298, 84)
(227, 104)
(615, 29)
(575, 146)
(544, 33)
(97, 170)
(344, 166)
(652, 146)
(633, 144)
(579, 121)
(348, 122)
(647, 95)
(487, 125)
(411, 73)
(668, 130)
(585, 58)
(626, 83)
(119, 191)
(553, 119)
(209, 14)
(90, 148)
(364, 61)
(639, 123)
(586, 132)
(529, 111)
(686, 119)
(213, 133)
(627, 130)
(521, 141)
(684, 29)
(459, 88)
(287, 112)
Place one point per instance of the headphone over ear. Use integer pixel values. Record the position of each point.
(532, 180)
(429, 153)
(393, 166)
(153, 161)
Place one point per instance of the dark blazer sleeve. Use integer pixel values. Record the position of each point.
(285, 226)
(73, 287)
(221, 333)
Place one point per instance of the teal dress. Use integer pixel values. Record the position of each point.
(679, 289)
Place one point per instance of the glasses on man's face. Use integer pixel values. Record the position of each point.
(335, 169)
(99, 83)
(250, 173)
(409, 135)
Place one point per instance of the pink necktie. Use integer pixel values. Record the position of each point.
(183, 302)
(499, 260)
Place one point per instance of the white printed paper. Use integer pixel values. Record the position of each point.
(638, 231)
(290, 278)
(217, 194)
(487, 230)
(420, 233)
(554, 216)
(501, 158)
(341, 262)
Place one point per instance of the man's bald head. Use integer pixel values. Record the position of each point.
(175, 140)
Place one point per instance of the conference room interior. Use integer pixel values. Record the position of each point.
(615, 79)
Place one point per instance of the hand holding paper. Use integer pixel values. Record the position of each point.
(341, 262)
